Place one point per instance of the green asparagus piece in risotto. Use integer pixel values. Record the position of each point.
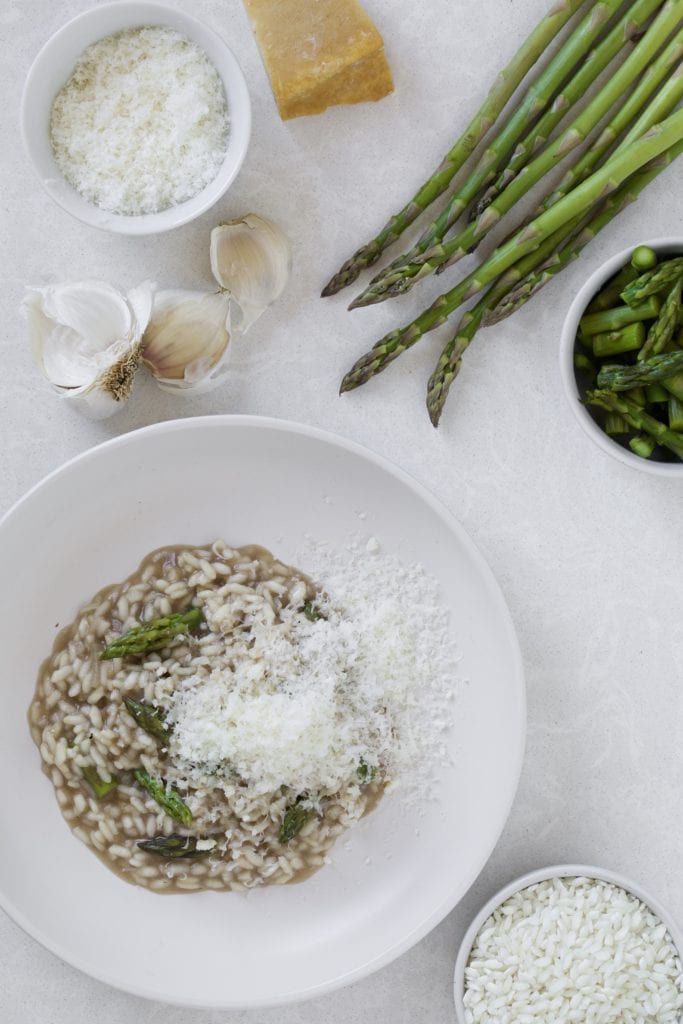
(154, 635)
(99, 787)
(175, 846)
(312, 613)
(294, 820)
(366, 772)
(149, 718)
(166, 796)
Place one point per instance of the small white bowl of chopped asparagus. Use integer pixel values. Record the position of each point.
(621, 356)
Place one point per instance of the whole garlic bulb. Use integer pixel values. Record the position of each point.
(185, 345)
(86, 340)
(251, 259)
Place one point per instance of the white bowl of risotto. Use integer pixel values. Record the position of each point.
(570, 943)
(297, 755)
(136, 117)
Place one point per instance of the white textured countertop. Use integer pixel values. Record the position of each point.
(588, 552)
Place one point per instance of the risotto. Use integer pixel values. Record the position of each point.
(193, 730)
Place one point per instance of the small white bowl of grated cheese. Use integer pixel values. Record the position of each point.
(136, 117)
(570, 943)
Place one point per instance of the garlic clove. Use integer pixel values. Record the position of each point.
(85, 338)
(251, 259)
(185, 345)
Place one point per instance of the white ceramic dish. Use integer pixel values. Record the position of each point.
(249, 480)
(663, 246)
(541, 875)
(51, 69)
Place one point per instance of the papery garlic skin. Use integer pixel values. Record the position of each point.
(185, 345)
(251, 259)
(86, 340)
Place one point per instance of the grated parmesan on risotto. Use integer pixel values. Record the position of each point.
(573, 950)
(236, 750)
(142, 123)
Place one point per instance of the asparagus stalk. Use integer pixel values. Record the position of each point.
(100, 788)
(536, 100)
(166, 796)
(444, 254)
(642, 445)
(615, 343)
(662, 330)
(450, 361)
(638, 419)
(487, 115)
(294, 820)
(653, 281)
(608, 210)
(154, 635)
(665, 100)
(650, 371)
(149, 718)
(175, 846)
(605, 180)
(629, 27)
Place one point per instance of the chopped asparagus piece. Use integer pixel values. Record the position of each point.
(656, 393)
(611, 293)
(663, 329)
(176, 846)
(653, 282)
(149, 718)
(675, 413)
(166, 796)
(630, 339)
(622, 378)
(638, 419)
(294, 820)
(621, 316)
(643, 258)
(312, 613)
(154, 635)
(366, 773)
(642, 445)
(615, 424)
(100, 788)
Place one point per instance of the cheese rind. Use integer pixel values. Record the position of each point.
(319, 53)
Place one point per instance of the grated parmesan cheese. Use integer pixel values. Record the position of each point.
(142, 123)
(301, 703)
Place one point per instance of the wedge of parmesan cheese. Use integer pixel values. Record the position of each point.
(319, 53)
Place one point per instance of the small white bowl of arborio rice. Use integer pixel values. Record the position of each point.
(136, 117)
(570, 944)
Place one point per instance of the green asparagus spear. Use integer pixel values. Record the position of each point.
(658, 368)
(149, 718)
(175, 846)
(606, 179)
(629, 27)
(154, 635)
(613, 343)
(294, 820)
(505, 85)
(653, 282)
(643, 258)
(642, 445)
(607, 211)
(100, 788)
(442, 254)
(662, 330)
(674, 386)
(166, 796)
(638, 419)
(622, 316)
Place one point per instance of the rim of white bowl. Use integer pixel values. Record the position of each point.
(666, 245)
(542, 875)
(439, 913)
(237, 94)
